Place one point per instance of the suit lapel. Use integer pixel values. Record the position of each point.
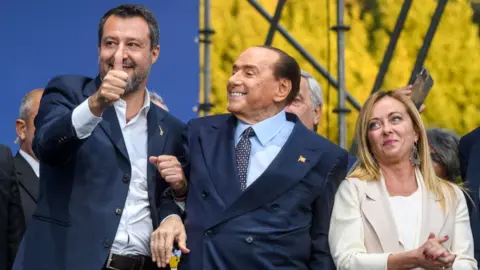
(109, 123)
(26, 176)
(217, 143)
(376, 209)
(432, 218)
(291, 164)
(111, 126)
(157, 134)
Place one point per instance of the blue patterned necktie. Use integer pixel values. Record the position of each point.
(242, 152)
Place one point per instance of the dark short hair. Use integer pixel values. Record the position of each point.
(287, 68)
(131, 11)
(445, 144)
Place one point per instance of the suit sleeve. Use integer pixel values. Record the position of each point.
(168, 206)
(322, 208)
(346, 237)
(16, 223)
(55, 140)
(462, 240)
(14, 214)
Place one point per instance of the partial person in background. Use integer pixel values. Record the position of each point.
(469, 152)
(158, 100)
(12, 222)
(444, 152)
(308, 105)
(27, 167)
(393, 212)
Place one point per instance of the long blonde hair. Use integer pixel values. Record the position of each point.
(367, 169)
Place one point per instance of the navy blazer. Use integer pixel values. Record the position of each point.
(84, 182)
(469, 150)
(280, 221)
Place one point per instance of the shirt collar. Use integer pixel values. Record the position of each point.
(146, 103)
(31, 161)
(265, 130)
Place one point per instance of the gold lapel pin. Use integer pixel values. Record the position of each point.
(161, 131)
(302, 159)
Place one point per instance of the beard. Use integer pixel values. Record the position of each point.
(134, 81)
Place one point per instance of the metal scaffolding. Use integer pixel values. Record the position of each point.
(343, 95)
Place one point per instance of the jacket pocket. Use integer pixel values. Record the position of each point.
(51, 220)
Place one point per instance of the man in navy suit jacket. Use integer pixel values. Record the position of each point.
(99, 196)
(261, 185)
(469, 149)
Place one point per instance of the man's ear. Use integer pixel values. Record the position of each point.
(284, 88)
(21, 128)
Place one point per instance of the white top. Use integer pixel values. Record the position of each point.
(135, 228)
(31, 161)
(408, 213)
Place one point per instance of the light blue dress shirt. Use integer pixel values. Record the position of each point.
(270, 136)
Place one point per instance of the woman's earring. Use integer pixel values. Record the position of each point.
(415, 156)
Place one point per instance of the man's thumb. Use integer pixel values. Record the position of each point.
(182, 243)
(118, 64)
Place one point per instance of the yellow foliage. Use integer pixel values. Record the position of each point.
(452, 103)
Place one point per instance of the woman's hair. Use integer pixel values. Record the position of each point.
(445, 145)
(367, 168)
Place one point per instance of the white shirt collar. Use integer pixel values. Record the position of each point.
(31, 161)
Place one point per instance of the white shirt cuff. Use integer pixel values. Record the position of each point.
(83, 120)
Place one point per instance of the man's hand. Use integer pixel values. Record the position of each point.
(171, 170)
(112, 89)
(407, 90)
(170, 231)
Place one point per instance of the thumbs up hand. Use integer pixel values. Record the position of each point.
(112, 87)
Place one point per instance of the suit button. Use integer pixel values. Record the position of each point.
(208, 233)
(275, 207)
(118, 211)
(126, 178)
(249, 239)
(205, 194)
(107, 243)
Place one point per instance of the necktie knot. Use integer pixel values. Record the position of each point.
(247, 133)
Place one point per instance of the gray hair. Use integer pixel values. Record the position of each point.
(26, 105)
(156, 97)
(445, 143)
(315, 89)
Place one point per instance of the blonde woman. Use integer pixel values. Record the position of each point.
(392, 212)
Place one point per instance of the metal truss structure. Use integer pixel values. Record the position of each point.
(343, 95)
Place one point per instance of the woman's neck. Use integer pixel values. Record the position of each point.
(400, 178)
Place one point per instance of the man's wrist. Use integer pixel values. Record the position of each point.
(180, 194)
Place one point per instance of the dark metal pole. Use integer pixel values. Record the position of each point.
(305, 54)
(422, 54)
(274, 22)
(387, 57)
(206, 106)
(342, 110)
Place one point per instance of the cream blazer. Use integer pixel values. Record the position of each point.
(363, 231)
